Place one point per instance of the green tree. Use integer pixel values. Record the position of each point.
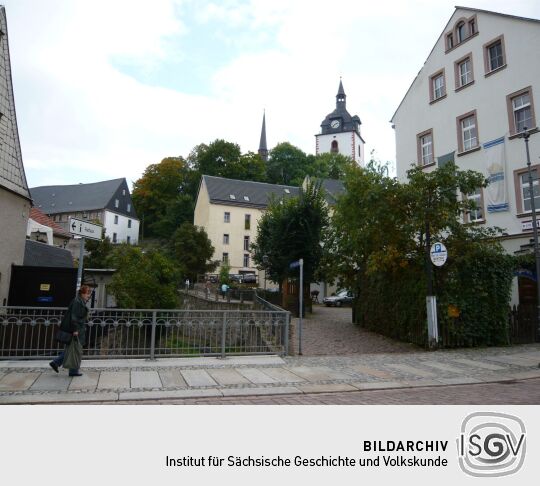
(287, 165)
(146, 280)
(164, 196)
(224, 273)
(192, 250)
(292, 229)
(99, 253)
(330, 166)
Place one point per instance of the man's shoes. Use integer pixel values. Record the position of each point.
(54, 366)
(76, 374)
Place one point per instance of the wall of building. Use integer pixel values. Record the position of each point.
(349, 144)
(121, 228)
(488, 96)
(15, 213)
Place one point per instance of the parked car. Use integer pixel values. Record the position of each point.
(343, 297)
(250, 278)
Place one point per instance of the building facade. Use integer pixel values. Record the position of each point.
(15, 202)
(229, 211)
(469, 103)
(340, 132)
(108, 203)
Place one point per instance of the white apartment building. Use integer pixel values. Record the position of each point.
(469, 103)
(106, 202)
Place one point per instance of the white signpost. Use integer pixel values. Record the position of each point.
(438, 255)
(84, 229)
(300, 264)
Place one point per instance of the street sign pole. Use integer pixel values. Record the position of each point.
(301, 301)
(80, 269)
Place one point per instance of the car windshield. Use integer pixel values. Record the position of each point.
(343, 293)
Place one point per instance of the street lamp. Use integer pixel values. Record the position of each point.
(265, 262)
(526, 136)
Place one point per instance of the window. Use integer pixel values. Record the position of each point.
(246, 198)
(449, 41)
(287, 191)
(437, 86)
(464, 71)
(334, 148)
(116, 203)
(128, 240)
(425, 148)
(526, 193)
(520, 110)
(467, 132)
(477, 214)
(246, 260)
(247, 222)
(115, 219)
(523, 195)
(494, 55)
(225, 239)
(114, 238)
(123, 192)
(226, 217)
(129, 223)
(225, 258)
(472, 26)
(460, 32)
(232, 196)
(129, 208)
(246, 243)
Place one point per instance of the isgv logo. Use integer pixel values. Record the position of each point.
(491, 444)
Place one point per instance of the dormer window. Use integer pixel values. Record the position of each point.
(232, 196)
(246, 198)
(287, 191)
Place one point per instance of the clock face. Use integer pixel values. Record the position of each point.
(335, 124)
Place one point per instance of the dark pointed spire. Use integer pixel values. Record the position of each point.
(341, 96)
(263, 149)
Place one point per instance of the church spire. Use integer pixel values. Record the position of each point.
(263, 149)
(341, 96)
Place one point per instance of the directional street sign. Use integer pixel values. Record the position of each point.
(294, 264)
(438, 254)
(84, 228)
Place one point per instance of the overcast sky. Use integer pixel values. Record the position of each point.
(103, 88)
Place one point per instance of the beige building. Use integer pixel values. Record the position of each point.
(15, 200)
(229, 210)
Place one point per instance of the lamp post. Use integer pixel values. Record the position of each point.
(265, 262)
(526, 136)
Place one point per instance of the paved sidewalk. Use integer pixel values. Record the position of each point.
(110, 381)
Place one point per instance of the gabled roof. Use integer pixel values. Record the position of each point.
(445, 29)
(76, 197)
(258, 194)
(12, 176)
(43, 219)
(333, 188)
(38, 254)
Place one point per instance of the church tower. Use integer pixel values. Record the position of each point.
(340, 132)
(263, 149)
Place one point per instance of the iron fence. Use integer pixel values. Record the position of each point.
(29, 332)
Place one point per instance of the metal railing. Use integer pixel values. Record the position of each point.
(29, 333)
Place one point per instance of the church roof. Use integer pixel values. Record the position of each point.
(12, 176)
(262, 143)
(348, 123)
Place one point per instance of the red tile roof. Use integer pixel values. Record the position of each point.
(43, 219)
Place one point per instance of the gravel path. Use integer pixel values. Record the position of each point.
(329, 331)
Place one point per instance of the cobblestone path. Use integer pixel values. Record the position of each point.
(329, 331)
